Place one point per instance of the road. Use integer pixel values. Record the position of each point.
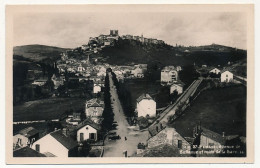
(241, 79)
(115, 148)
(183, 98)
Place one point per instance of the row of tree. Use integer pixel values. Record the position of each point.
(125, 98)
(108, 115)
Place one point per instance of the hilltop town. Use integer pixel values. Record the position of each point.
(85, 103)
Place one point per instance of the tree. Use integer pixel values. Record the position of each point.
(174, 96)
(108, 115)
(188, 74)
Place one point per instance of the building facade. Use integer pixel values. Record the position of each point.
(169, 75)
(176, 87)
(57, 143)
(146, 106)
(226, 76)
(94, 109)
(87, 130)
(215, 71)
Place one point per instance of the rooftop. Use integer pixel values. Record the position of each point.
(168, 68)
(66, 141)
(27, 152)
(28, 132)
(217, 137)
(90, 123)
(155, 129)
(144, 96)
(95, 103)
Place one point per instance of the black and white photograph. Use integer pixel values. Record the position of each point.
(130, 82)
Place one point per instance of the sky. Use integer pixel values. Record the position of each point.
(72, 29)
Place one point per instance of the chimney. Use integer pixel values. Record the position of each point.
(223, 134)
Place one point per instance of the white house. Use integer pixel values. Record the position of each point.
(226, 76)
(107, 43)
(57, 143)
(80, 68)
(169, 74)
(146, 106)
(94, 109)
(96, 88)
(87, 130)
(25, 137)
(178, 68)
(178, 87)
(137, 71)
(215, 71)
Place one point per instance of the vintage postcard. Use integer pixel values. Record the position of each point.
(129, 84)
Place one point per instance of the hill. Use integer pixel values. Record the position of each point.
(38, 52)
(219, 109)
(127, 51)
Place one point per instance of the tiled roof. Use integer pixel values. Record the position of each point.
(224, 70)
(168, 68)
(179, 83)
(213, 69)
(164, 150)
(213, 135)
(95, 103)
(144, 96)
(28, 132)
(66, 141)
(27, 152)
(88, 122)
(153, 129)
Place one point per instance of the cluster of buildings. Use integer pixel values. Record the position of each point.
(96, 44)
(169, 74)
(129, 71)
(225, 75)
(142, 39)
(202, 142)
(170, 77)
(146, 105)
(65, 142)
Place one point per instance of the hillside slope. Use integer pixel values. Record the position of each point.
(38, 52)
(126, 51)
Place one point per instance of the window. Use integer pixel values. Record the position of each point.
(92, 136)
(226, 75)
(211, 144)
(37, 147)
(81, 136)
(179, 144)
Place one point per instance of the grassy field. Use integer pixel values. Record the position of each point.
(220, 110)
(46, 109)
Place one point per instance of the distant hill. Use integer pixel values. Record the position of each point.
(126, 51)
(38, 52)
